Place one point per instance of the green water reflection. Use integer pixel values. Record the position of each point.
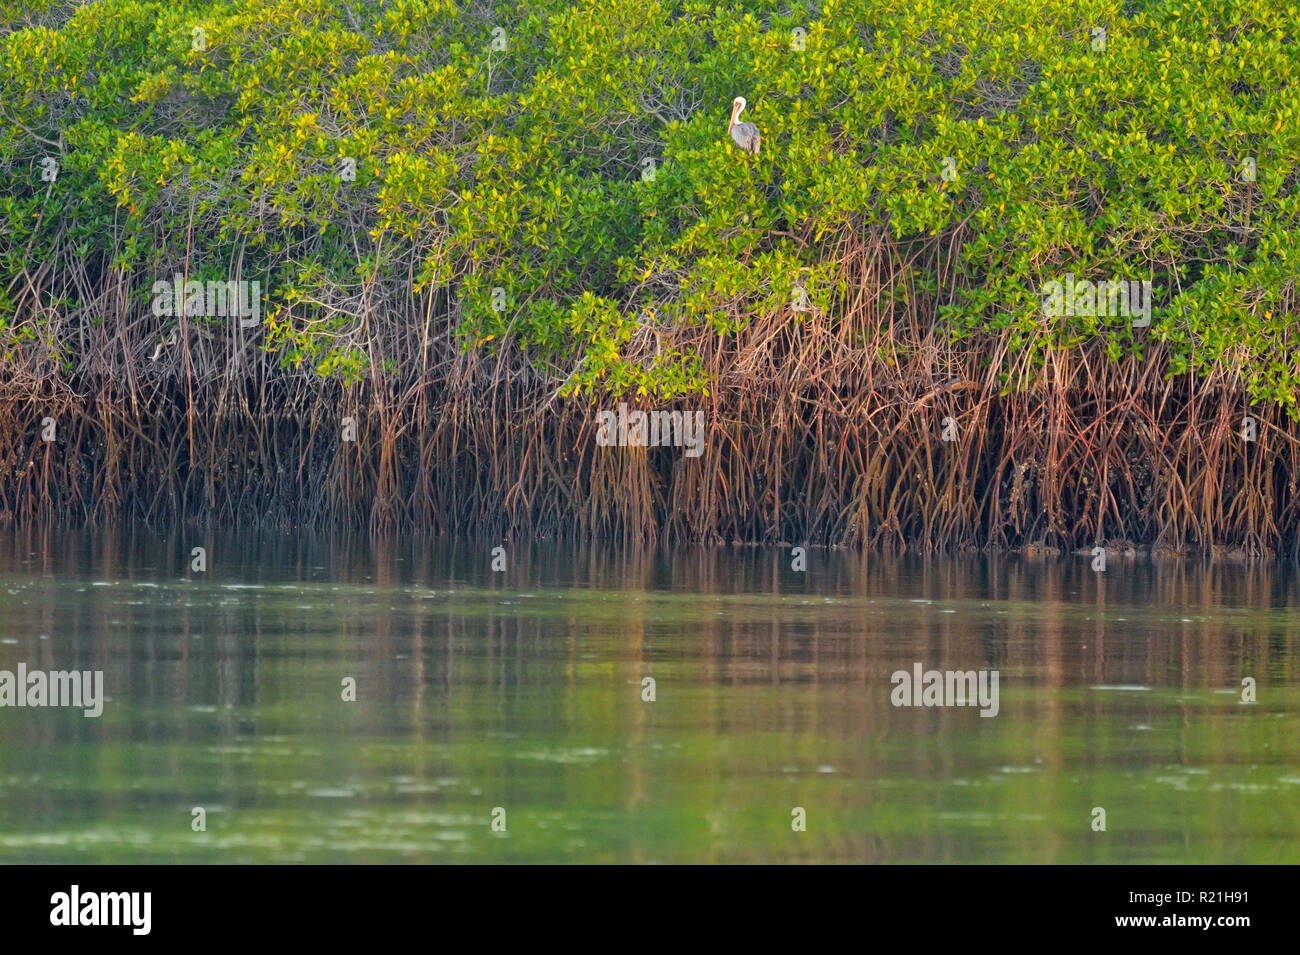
(523, 690)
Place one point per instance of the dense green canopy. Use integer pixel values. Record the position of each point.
(575, 157)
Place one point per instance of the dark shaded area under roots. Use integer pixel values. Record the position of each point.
(1044, 469)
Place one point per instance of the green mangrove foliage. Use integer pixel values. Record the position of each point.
(468, 226)
(558, 175)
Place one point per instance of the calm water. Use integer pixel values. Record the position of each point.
(522, 690)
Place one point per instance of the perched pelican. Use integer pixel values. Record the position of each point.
(745, 134)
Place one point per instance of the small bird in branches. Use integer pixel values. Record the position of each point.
(745, 135)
